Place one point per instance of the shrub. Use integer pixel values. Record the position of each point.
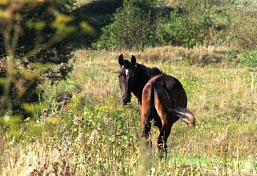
(143, 24)
(66, 5)
(130, 29)
(35, 47)
(249, 59)
(178, 31)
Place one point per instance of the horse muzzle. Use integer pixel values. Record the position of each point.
(125, 101)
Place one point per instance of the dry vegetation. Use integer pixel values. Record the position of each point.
(95, 135)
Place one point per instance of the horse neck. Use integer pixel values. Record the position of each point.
(142, 78)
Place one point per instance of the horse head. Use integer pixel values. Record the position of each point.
(127, 77)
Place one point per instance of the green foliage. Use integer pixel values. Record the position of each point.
(231, 21)
(11, 125)
(145, 2)
(249, 59)
(66, 5)
(35, 47)
(130, 29)
(179, 31)
(179, 23)
(137, 26)
(173, 30)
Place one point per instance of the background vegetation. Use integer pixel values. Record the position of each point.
(60, 108)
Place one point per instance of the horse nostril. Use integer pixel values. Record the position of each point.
(123, 97)
(124, 100)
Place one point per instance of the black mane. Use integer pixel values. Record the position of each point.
(143, 75)
(148, 71)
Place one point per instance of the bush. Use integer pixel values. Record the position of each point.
(35, 47)
(249, 59)
(130, 29)
(178, 31)
(66, 5)
(139, 25)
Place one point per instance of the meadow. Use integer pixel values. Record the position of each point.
(93, 134)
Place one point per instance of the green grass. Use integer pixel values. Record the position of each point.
(89, 137)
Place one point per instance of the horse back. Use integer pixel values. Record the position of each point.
(173, 87)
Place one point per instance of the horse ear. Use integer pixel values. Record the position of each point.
(121, 61)
(133, 60)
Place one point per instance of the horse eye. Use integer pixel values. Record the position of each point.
(119, 76)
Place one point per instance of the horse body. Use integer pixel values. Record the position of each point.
(164, 100)
(161, 97)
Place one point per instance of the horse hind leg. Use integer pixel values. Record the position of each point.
(146, 109)
(165, 129)
(146, 126)
(162, 139)
(166, 124)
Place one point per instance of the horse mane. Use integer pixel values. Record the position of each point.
(149, 71)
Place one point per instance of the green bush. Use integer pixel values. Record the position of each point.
(130, 29)
(35, 46)
(66, 5)
(249, 59)
(146, 2)
(178, 31)
(143, 24)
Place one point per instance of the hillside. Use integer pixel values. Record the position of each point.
(215, 23)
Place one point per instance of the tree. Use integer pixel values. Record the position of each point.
(33, 46)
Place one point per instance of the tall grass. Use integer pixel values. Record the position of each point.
(95, 135)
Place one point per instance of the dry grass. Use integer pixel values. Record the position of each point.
(91, 138)
(202, 55)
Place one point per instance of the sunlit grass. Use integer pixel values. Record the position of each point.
(96, 135)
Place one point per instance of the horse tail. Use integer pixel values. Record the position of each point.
(185, 115)
(169, 105)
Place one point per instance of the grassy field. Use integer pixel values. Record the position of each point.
(95, 135)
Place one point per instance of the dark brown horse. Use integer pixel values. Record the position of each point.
(161, 97)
